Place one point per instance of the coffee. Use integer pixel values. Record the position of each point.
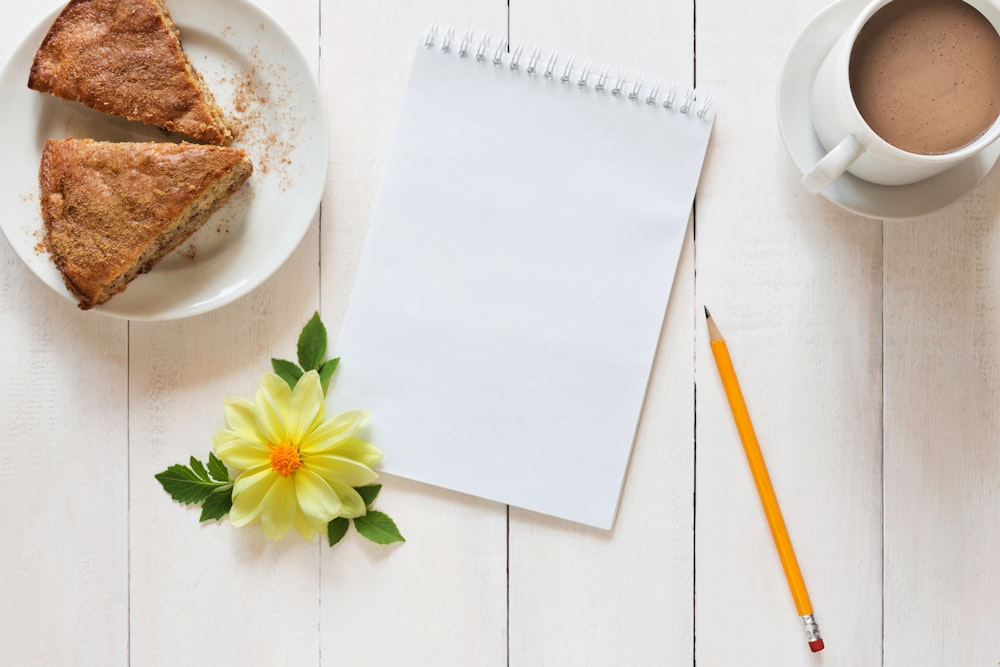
(925, 74)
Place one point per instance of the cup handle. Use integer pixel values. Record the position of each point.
(832, 165)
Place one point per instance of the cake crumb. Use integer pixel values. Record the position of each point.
(189, 252)
(265, 125)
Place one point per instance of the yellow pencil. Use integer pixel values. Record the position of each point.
(763, 482)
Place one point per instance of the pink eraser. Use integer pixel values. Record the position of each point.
(816, 645)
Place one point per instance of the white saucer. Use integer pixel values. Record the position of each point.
(861, 197)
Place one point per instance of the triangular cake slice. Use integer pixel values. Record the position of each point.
(113, 210)
(124, 57)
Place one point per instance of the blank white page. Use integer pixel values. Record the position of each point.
(513, 285)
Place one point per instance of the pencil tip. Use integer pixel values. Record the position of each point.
(707, 314)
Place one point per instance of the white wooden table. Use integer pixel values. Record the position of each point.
(869, 353)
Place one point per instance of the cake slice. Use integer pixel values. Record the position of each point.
(124, 57)
(113, 210)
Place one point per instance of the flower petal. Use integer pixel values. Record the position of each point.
(316, 499)
(240, 418)
(304, 527)
(249, 491)
(306, 409)
(279, 508)
(238, 452)
(353, 504)
(341, 469)
(333, 431)
(358, 450)
(271, 408)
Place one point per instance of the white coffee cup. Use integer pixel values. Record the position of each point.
(852, 144)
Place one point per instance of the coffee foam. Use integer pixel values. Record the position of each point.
(925, 74)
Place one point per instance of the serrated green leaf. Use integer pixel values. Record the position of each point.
(217, 505)
(184, 485)
(199, 469)
(217, 469)
(336, 529)
(287, 371)
(368, 493)
(378, 527)
(326, 372)
(312, 344)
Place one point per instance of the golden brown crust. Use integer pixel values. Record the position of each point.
(124, 57)
(112, 210)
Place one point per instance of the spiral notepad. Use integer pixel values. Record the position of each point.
(509, 301)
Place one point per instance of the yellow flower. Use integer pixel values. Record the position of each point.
(297, 469)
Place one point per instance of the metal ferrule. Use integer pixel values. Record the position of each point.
(812, 629)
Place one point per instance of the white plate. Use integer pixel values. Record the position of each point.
(263, 82)
(861, 197)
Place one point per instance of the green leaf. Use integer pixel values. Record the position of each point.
(287, 371)
(336, 529)
(326, 372)
(217, 469)
(199, 469)
(217, 505)
(312, 344)
(378, 527)
(184, 485)
(368, 493)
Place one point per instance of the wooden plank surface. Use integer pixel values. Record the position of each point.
(583, 596)
(942, 449)
(866, 351)
(63, 463)
(441, 598)
(196, 587)
(795, 285)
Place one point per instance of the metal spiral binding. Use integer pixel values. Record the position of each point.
(633, 89)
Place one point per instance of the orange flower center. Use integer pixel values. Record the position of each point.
(285, 459)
